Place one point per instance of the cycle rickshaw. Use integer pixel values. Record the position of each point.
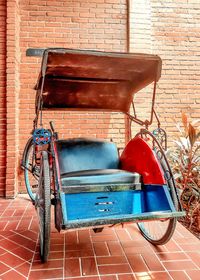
(86, 180)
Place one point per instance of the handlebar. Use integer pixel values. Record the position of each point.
(52, 126)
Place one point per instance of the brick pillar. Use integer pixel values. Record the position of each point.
(12, 97)
(2, 97)
(140, 26)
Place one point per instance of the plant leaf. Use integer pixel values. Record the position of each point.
(192, 134)
(195, 122)
(185, 122)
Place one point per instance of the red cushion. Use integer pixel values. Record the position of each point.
(139, 157)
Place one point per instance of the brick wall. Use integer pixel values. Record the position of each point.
(12, 97)
(168, 28)
(93, 24)
(171, 29)
(2, 96)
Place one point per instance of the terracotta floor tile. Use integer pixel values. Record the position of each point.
(48, 265)
(56, 247)
(179, 265)
(56, 255)
(132, 250)
(3, 224)
(82, 248)
(110, 277)
(46, 274)
(24, 268)
(2, 251)
(84, 236)
(103, 238)
(33, 235)
(158, 249)
(105, 231)
(111, 260)
(11, 225)
(152, 262)
(83, 278)
(169, 256)
(18, 212)
(193, 274)
(184, 240)
(137, 263)
(195, 257)
(78, 247)
(24, 223)
(8, 213)
(190, 247)
(12, 275)
(114, 269)
(57, 240)
(123, 235)
(101, 249)
(71, 237)
(3, 268)
(34, 224)
(126, 277)
(88, 266)
(115, 248)
(179, 275)
(23, 253)
(79, 254)
(21, 240)
(159, 276)
(172, 246)
(72, 267)
(11, 260)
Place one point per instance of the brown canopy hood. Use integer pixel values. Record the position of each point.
(79, 79)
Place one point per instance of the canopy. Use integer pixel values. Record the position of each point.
(79, 79)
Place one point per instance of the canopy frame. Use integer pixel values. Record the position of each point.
(41, 83)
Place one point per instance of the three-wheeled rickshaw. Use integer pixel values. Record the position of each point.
(88, 182)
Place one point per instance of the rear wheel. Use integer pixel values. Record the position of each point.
(43, 206)
(31, 169)
(159, 232)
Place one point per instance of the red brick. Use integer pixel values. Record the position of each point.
(88, 266)
(178, 265)
(177, 275)
(72, 268)
(114, 269)
(101, 249)
(137, 263)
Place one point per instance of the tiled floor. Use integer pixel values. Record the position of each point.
(114, 254)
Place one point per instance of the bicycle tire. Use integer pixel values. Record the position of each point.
(43, 206)
(31, 170)
(170, 224)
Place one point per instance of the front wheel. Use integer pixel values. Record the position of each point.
(43, 206)
(31, 169)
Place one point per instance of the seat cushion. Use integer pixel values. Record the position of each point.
(99, 180)
(85, 154)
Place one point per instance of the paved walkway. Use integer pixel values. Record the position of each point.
(114, 254)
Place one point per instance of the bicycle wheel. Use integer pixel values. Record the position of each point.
(43, 206)
(159, 232)
(31, 169)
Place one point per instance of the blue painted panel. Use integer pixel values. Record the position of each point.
(112, 204)
(101, 204)
(156, 199)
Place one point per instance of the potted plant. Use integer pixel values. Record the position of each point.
(184, 157)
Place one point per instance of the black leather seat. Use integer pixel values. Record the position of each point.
(92, 165)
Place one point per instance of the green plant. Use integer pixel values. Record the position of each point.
(184, 158)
